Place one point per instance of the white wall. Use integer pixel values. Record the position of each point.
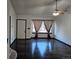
(63, 28)
(11, 12)
(29, 19)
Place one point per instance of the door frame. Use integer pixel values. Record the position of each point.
(17, 26)
(9, 40)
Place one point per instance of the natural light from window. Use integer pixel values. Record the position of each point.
(42, 46)
(42, 28)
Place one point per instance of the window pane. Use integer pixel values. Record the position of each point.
(33, 28)
(42, 28)
(51, 29)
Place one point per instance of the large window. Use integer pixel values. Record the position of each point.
(42, 28)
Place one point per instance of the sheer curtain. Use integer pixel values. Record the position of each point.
(48, 25)
(37, 25)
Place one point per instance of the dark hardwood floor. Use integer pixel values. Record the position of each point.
(41, 49)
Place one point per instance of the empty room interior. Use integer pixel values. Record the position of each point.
(39, 29)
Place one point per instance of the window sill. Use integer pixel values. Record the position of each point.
(40, 33)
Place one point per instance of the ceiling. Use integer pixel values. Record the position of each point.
(39, 7)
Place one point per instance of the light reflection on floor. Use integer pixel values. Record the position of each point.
(42, 46)
(33, 47)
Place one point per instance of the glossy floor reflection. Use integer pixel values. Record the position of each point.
(41, 49)
(41, 46)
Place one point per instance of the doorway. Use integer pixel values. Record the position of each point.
(21, 28)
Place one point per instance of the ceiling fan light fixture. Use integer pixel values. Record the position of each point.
(56, 13)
